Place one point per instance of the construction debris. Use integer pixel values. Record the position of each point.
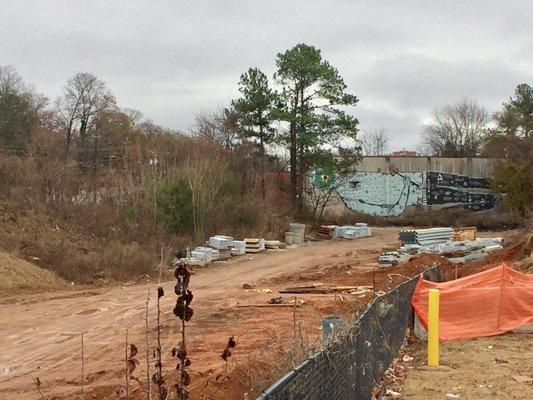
(276, 300)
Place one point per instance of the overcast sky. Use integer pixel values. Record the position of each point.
(172, 59)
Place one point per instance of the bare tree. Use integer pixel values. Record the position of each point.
(205, 174)
(84, 98)
(457, 131)
(375, 143)
(218, 127)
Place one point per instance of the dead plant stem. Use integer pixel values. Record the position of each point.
(148, 381)
(127, 368)
(82, 367)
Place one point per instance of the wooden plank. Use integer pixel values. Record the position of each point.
(270, 305)
(317, 289)
(344, 288)
(310, 290)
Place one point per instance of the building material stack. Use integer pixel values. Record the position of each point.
(465, 233)
(426, 237)
(238, 247)
(298, 231)
(358, 230)
(457, 252)
(222, 244)
(274, 245)
(253, 245)
(326, 230)
(205, 253)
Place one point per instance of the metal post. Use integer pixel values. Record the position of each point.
(433, 327)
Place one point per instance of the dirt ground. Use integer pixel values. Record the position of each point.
(40, 334)
(488, 368)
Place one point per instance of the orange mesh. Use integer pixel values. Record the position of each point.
(488, 303)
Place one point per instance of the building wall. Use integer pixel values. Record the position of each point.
(381, 193)
(387, 186)
(475, 167)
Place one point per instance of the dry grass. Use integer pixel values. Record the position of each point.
(18, 275)
(487, 220)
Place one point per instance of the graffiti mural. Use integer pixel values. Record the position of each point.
(452, 191)
(389, 194)
(380, 193)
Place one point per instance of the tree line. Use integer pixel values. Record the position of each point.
(85, 147)
(86, 159)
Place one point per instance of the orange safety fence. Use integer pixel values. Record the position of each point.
(488, 303)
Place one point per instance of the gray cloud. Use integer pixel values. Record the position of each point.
(172, 59)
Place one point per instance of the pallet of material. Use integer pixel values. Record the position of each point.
(253, 245)
(238, 247)
(465, 233)
(358, 230)
(220, 242)
(326, 230)
(274, 244)
(193, 261)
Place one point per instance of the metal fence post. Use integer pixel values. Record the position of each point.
(433, 327)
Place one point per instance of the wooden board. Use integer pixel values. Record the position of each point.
(318, 289)
(270, 305)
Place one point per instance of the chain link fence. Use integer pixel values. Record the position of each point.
(354, 361)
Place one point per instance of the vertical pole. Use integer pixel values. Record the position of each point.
(82, 368)
(433, 327)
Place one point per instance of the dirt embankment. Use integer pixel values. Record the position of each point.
(20, 276)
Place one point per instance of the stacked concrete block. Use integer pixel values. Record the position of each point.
(207, 253)
(238, 247)
(352, 231)
(220, 242)
(253, 245)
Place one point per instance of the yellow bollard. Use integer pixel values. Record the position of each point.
(433, 327)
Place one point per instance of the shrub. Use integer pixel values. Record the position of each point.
(174, 206)
(514, 181)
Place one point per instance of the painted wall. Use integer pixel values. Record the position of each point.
(448, 190)
(380, 193)
(386, 194)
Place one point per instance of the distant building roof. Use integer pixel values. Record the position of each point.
(403, 153)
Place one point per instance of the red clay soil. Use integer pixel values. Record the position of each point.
(40, 334)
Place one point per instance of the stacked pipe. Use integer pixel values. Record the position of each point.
(426, 237)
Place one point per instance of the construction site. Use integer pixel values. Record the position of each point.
(250, 200)
(281, 306)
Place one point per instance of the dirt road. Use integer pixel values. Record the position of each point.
(40, 334)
